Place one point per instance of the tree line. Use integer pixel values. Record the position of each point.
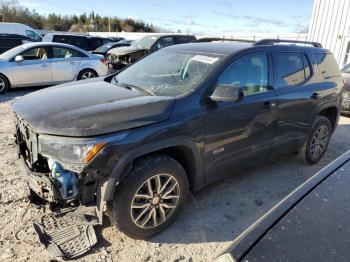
(12, 12)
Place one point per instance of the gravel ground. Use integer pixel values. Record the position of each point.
(210, 221)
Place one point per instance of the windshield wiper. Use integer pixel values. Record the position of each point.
(131, 87)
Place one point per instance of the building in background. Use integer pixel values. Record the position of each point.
(330, 25)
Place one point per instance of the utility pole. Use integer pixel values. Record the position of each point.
(109, 24)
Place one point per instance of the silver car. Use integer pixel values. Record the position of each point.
(42, 64)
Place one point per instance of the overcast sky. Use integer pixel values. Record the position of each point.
(196, 16)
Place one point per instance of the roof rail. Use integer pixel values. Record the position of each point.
(276, 41)
(213, 39)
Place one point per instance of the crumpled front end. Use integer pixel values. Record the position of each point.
(49, 179)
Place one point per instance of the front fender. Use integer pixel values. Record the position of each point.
(118, 172)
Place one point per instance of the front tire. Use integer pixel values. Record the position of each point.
(317, 141)
(150, 197)
(4, 84)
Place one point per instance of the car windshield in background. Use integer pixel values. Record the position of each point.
(346, 69)
(145, 42)
(12, 52)
(169, 73)
(105, 47)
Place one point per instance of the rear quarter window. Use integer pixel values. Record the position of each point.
(65, 39)
(10, 43)
(184, 39)
(288, 69)
(327, 64)
(80, 41)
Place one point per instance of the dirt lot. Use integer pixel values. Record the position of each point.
(211, 219)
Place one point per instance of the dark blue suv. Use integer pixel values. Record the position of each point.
(177, 120)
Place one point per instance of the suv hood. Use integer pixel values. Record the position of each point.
(90, 108)
(125, 50)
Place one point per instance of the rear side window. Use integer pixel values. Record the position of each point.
(164, 42)
(81, 42)
(184, 39)
(65, 39)
(327, 64)
(63, 52)
(288, 69)
(95, 42)
(10, 43)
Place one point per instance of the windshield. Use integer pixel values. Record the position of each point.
(169, 73)
(105, 47)
(346, 69)
(145, 42)
(12, 52)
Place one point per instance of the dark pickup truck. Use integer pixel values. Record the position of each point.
(120, 57)
(177, 120)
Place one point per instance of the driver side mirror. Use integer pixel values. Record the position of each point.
(227, 93)
(19, 58)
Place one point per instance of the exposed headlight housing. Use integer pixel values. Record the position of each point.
(74, 150)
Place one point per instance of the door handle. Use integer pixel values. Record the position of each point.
(269, 105)
(45, 65)
(315, 96)
(72, 63)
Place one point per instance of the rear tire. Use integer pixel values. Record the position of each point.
(4, 84)
(150, 198)
(317, 142)
(87, 74)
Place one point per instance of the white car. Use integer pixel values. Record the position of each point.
(44, 64)
(19, 29)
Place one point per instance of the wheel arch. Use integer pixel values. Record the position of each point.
(332, 114)
(81, 70)
(182, 150)
(7, 79)
(329, 110)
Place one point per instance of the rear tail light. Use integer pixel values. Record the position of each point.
(104, 60)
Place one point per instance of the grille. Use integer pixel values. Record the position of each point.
(27, 142)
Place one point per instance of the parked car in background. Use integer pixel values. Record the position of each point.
(116, 38)
(9, 41)
(102, 50)
(310, 224)
(345, 108)
(122, 56)
(19, 29)
(41, 64)
(82, 41)
(177, 120)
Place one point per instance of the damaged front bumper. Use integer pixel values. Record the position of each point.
(47, 189)
(39, 183)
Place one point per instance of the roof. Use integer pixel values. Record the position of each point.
(231, 47)
(15, 36)
(225, 48)
(75, 34)
(35, 44)
(158, 35)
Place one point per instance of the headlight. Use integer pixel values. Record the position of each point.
(345, 95)
(74, 150)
